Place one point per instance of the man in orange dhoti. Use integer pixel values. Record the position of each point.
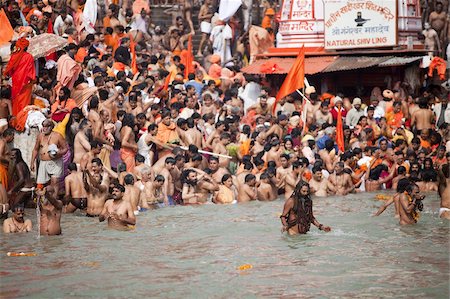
(21, 69)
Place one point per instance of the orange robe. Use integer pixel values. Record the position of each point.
(21, 69)
(128, 157)
(167, 134)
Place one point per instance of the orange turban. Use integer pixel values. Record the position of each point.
(21, 44)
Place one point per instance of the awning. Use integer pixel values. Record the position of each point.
(326, 64)
(397, 61)
(277, 65)
(353, 63)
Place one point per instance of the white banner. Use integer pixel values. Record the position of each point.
(360, 24)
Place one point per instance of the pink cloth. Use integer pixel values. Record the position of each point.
(68, 71)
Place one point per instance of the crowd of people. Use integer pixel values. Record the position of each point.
(124, 120)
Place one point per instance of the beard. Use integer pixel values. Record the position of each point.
(192, 182)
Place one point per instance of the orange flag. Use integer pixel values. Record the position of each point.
(189, 58)
(6, 31)
(340, 132)
(294, 79)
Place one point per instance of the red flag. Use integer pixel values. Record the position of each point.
(294, 79)
(51, 56)
(6, 31)
(340, 132)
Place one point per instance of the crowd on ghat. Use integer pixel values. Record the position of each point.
(124, 119)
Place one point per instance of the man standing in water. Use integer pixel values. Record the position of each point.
(118, 211)
(444, 189)
(51, 209)
(410, 202)
(298, 213)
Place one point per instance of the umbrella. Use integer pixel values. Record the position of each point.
(45, 44)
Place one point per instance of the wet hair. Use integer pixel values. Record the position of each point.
(120, 187)
(95, 144)
(98, 161)
(329, 145)
(8, 132)
(72, 167)
(286, 156)
(316, 169)
(264, 176)
(411, 187)
(169, 160)
(225, 177)
(402, 184)
(197, 157)
(213, 158)
(139, 158)
(401, 170)
(249, 177)
(376, 172)
(128, 179)
(159, 178)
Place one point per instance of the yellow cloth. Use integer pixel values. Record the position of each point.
(225, 194)
(61, 126)
(105, 157)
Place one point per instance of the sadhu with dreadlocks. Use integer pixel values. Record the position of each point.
(298, 213)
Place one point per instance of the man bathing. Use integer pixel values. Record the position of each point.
(117, 211)
(297, 214)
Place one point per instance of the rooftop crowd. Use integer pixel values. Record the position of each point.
(125, 119)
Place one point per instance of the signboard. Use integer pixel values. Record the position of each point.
(360, 24)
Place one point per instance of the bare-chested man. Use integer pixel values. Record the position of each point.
(274, 153)
(132, 193)
(444, 189)
(85, 162)
(192, 134)
(297, 215)
(318, 184)
(169, 187)
(6, 138)
(23, 186)
(81, 143)
(410, 202)
(97, 193)
(117, 211)
(423, 118)
(76, 196)
(438, 21)
(264, 191)
(221, 148)
(51, 147)
(152, 193)
(279, 128)
(16, 223)
(51, 208)
(340, 183)
(247, 192)
(401, 188)
(217, 172)
(328, 155)
(292, 178)
(190, 180)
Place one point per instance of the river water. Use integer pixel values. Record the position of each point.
(195, 252)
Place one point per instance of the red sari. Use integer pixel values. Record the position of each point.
(21, 69)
